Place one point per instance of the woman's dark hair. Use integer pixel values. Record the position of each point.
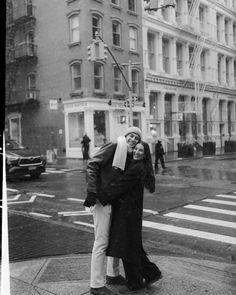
(149, 178)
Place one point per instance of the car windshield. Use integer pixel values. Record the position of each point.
(13, 145)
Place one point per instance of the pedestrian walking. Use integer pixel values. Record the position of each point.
(125, 240)
(85, 146)
(108, 163)
(159, 153)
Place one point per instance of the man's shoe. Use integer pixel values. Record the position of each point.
(118, 280)
(101, 291)
(148, 283)
(126, 290)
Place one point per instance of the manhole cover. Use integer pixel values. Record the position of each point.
(66, 269)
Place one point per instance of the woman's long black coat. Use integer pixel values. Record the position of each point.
(127, 208)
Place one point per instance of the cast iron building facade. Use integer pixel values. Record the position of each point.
(54, 93)
(190, 72)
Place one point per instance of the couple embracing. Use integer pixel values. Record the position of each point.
(116, 177)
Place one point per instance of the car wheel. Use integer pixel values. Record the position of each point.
(35, 175)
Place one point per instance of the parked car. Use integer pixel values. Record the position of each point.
(22, 161)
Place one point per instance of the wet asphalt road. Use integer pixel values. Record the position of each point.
(38, 226)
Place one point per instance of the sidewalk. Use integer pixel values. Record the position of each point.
(69, 275)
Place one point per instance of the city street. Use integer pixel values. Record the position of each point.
(191, 214)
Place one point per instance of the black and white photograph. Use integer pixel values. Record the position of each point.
(118, 148)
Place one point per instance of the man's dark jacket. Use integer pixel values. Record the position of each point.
(100, 171)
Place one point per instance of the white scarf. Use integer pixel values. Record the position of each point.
(120, 153)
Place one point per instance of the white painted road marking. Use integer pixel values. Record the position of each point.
(31, 200)
(40, 215)
(226, 196)
(219, 202)
(76, 200)
(150, 211)
(211, 209)
(75, 213)
(84, 223)
(190, 232)
(202, 219)
(43, 195)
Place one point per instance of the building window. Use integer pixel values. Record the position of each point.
(153, 106)
(96, 25)
(76, 129)
(133, 39)
(227, 32)
(132, 5)
(203, 64)
(219, 68)
(227, 70)
(116, 33)
(166, 55)
(74, 28)
(218, 27)
(179, 57)
(168, 115)
(234, 73)
(135, 81)
(98, 76)
(100, 128)
(76, 76)
(178, 14)
(234, 35)
(15, 127)
(202, 19)
(151, 51)
(31, 81)
(117, 80)
(191, 59)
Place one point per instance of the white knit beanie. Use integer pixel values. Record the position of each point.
(135, 130)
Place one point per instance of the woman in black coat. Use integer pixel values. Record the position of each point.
(126, 226)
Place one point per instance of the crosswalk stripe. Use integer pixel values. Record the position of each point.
(211, 209)
(40, 215)
(84, 223)
(55, 171)
(226, 196)
(219, 202)
(190, 232)
(202, 219)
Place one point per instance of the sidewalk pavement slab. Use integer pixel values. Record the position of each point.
(69, 275)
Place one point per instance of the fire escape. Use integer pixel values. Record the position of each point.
(21, 52)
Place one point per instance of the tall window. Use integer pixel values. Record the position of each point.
(227, 70)
(153, 105)
(76, 76)
(151, 51)
(234, 34)
(218, 27)
(202, 19)
(132, 5)
(117, 80)
(219, 68)
(203, 64)
(98, 76)
(191, 59)
(74, 28)
(96, 25)
(166, 55)
(116, 33)
(179, 56)
(15, 127)
(235, 74)
(31, 81)
(133, 39)
(227, 31)
(135, 82)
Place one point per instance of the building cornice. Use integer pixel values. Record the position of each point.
(187, 84)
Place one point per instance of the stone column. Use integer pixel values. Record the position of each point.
(145, 47)
(222, 29)
(230, 32)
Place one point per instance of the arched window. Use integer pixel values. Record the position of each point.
(96, 24)
(133, 39)
(116, 33)
(135, 81)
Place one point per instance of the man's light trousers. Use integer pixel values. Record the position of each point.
(102, 222)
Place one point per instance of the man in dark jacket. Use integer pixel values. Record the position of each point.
(109, 162)
(159, 152)
(85, 146)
